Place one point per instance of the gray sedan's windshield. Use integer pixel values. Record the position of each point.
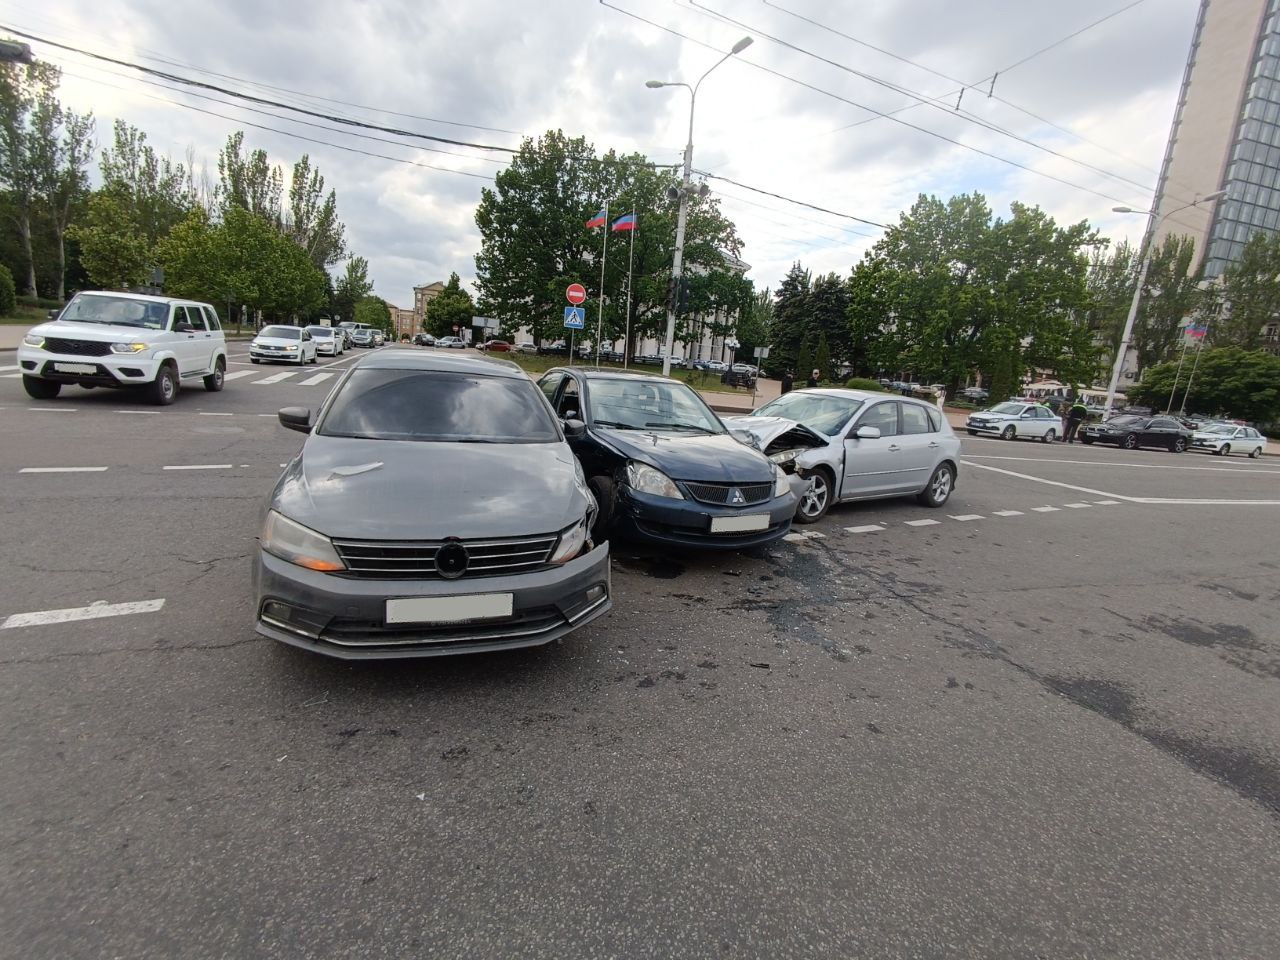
(119, 311)
(824, 413)
(431, 406)
(649, 404)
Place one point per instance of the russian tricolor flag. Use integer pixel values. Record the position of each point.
(625, 223)
(598, 220)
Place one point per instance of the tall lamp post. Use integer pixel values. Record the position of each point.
(1127, 337)
(677, 262)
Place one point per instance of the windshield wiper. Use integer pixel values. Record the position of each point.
(614, 424)
(682, 426)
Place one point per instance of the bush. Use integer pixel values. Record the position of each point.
(8, 295)
(862, 383)
(40, 303)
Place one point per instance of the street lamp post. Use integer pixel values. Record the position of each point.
(1127, 337)
(677, 261)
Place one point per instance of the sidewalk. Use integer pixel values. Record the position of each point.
(11, 335)
(741, 401)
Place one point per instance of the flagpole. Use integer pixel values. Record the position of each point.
(631, 259)
(1192, 376)
(604, 252)
(1182, 358)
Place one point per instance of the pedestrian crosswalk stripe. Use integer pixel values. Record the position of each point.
(1076, 506)
(1045, 509)
(312, 381)
(1008, 513)
(236, 375)
(277, 377)
(1106, 503)
(967, 516)
(868, 528)
(922, 523)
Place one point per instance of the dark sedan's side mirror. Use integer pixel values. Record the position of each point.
(867, 433)
(574, 429)
(295, 418)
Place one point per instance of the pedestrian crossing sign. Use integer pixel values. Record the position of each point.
(575, 318)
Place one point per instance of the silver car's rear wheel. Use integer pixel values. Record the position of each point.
(939, 487)
(813, 505)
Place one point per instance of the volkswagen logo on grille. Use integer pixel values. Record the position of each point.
(452, 559)
(736, 497)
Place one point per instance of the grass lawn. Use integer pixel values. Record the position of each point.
(25, 316)
(698, 379)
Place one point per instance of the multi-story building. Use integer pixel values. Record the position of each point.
(403, 322)
(422, 296)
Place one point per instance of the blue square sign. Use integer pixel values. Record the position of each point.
(575, 318)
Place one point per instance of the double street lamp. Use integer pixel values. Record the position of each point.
(1127, 337)
(677, 261)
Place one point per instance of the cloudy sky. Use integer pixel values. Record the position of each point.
(1078, 128)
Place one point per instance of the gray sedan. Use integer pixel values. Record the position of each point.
(488, 546)
(856, 445)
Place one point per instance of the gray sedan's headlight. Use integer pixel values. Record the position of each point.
(33, 340)
(781, 482)
(571, 542)
(291, 541)
(644, 479)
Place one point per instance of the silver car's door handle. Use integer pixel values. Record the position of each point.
(933, 444)
(894, 446)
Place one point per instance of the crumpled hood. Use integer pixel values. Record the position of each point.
(428, 491)
(766, 430)
(685, 455)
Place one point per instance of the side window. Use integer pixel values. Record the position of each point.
(193, 317)
(884, 416)
(915, 419)
(549, 384)
(1163, 424)
(211, 317)
(935, 418)
(569, 407)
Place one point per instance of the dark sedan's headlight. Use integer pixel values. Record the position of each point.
(645, 479)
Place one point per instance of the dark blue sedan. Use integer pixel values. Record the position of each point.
(663, 467)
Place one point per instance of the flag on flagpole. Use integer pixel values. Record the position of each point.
(598, 220)
(625, 223)
(1196, 331)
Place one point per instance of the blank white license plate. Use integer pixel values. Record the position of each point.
(75, 368)
(758, 521)
(477, 606)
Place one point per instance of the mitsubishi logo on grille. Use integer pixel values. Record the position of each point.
(452, 560)
(736, 497)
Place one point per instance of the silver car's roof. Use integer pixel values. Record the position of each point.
(403, 359)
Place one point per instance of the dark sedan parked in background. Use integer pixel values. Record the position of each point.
(496, 551)
(1133, 432)
(663, 467)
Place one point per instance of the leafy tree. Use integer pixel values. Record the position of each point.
(790, 321)
(312, 218)
(8, 293)
(1109, 284)
(1170, 295)
(62, 182)
(113, 250)
(822, 357)
(1251, 293)
(157, 192)
(828, 317)
(804, 360)
(29, 116)
(374, 311)
(1228, 381)
(352, 287)
(193, 260)
(249, 182)
(753, 324)
(451, 308)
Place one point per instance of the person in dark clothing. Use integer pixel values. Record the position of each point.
(788, 381)
(1075, 416)
(815, 377)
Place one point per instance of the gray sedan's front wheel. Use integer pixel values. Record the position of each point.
(938, 490)
(814, 504)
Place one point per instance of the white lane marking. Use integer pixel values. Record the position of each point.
(1106, 503)
(272, 415)
(1136, 466)
(54, 409)
(141, 413)
(10, 376)
(9, 366)
(204, 414)
(62, 469)
(1008, 513)
(91, 612)
(1052, 483)
(1045, 509)
(1076, 506)
(277, 377)
(868, 528)
(237, 374)
(1170, 501)
(200, 466)
(312, 381)
(969, 516)
(922, 523)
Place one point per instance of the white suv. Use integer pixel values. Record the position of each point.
(103, 339)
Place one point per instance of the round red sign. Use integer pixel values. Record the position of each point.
(575, 293)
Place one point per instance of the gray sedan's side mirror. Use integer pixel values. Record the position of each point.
(295, 418)
(867, 433)
(574, 429)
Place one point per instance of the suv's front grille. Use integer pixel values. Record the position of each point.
(416, 559)
(77, 348)
(721, 493)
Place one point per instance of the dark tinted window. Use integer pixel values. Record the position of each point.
(212, 318)
(1165, 424)
(1128, 421)
(284, 333)
(549, 383)
(915, 419)
(884, 416)
(426, 405)
(191, 315)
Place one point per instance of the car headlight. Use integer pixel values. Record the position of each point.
(571, 542)
(783, 456)
(781, 482)
(644, 479)
(128, 347)
(291, 541)
(291, 348)
(34, 340)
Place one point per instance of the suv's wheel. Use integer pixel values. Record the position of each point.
(1130, 441)
(813, 505)
(39, 389)
(164, 388)
(938, 490)
(1008, 433)
(1049, 436)
(214, 381)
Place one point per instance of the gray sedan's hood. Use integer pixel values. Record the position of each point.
(428, 491)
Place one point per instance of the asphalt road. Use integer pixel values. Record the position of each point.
(1016, 732)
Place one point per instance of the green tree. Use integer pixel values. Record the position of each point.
(29, 116)
(249, 181)
(157, 192)
(1228, 381)
(828, 316)
(1251, 294)
(192, 255)
(452, 308)
(790, 322)
(374, 312)
(1109, 283)
(352, 287)
(804, 360)
(1170, 296)
(263, 269)
(752, 328)
(311, 220)
(113, 250)
(63, 184)
(822, 357)
(8, 293)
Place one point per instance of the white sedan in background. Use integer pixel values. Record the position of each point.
(1225, 439)
(329, 342)
(284, 344)
(1014, 420)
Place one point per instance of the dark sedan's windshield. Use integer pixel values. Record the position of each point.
(427, 405)
(822, 412)
(120, 311)
(649, 404)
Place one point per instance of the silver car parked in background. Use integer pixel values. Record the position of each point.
(1013, 420)
(856, 445)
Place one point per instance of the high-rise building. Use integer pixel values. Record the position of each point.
(1225, 133)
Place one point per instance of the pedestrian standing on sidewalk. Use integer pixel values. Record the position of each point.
(815, 377)
(788, 381)
(1075, 416)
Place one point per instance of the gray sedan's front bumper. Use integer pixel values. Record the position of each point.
(346, 617)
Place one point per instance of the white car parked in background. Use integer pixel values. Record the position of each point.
(1014, 420)
(105, 339)
(286, 344)
(329, 342)
(1225, 439)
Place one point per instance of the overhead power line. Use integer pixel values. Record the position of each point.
(799, 203)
